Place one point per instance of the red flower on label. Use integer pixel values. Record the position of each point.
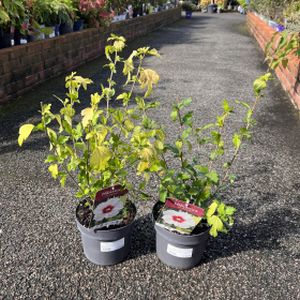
(181, 219)
(107, 209)
(178, 219)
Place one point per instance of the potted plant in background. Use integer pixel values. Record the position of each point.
(12, 14)
(188, 7)
(192, 182)
(79, 19)
(65, 12)
(5, 37)
(98, 150)
(95, 12)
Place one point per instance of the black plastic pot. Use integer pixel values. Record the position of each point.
(178, 250)
(188, 14)
(78, 25)
(65, 28)
(5, 39)
(17, 37)
(212, 8)
(106, 247)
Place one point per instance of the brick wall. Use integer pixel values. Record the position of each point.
(290, 76)
(23, 67)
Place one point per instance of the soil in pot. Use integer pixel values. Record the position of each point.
(107, 245)
(179, 250)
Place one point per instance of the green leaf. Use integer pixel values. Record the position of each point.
(51, 158)
(188, 118)
(236, 140)
(174, 114)
(261, 83)
(52, 135)
(185, 103)
(230, 210)
(24, 133)
(213, 176)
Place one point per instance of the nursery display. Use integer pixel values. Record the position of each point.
(281, 14)
(188, 7)
(100, 150)
(11, 15)
(39, 19)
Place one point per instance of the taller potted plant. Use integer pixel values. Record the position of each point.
(99, 149)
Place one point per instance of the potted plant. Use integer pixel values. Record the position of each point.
(192, 182)
(188, 7)
(40, 23)
(100, 148)
(12, 13)
(95, 12)
(64, 12)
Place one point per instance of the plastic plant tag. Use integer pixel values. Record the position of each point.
(180, 252)
(112, 246)
(109, 206)
(179, 216)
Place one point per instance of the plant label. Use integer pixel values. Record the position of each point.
(180, 216)
(180, 252)
(112, 246)
(109, 206)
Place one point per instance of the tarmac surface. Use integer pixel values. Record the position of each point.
(210, 57)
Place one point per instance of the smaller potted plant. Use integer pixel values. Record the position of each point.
(188, 7)
(192, 181)
(100, 149)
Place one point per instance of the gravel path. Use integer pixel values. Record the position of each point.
(209, 57)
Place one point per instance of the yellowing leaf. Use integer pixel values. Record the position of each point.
(212, 209)
(95, 98)
(24, 133)
(119, 45)
(216, 225)
(128, 125)
(178, 144)
(147, 78)
(146, 154)
(87, 114)
(159, 145)
(142, 166)
(101, 134)
(53, 169)
(100, 157)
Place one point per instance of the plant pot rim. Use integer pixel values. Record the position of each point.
(176, 234)
(94, 230)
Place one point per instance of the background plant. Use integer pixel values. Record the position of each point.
(286, 12)
(100, 148)
(12, 13)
